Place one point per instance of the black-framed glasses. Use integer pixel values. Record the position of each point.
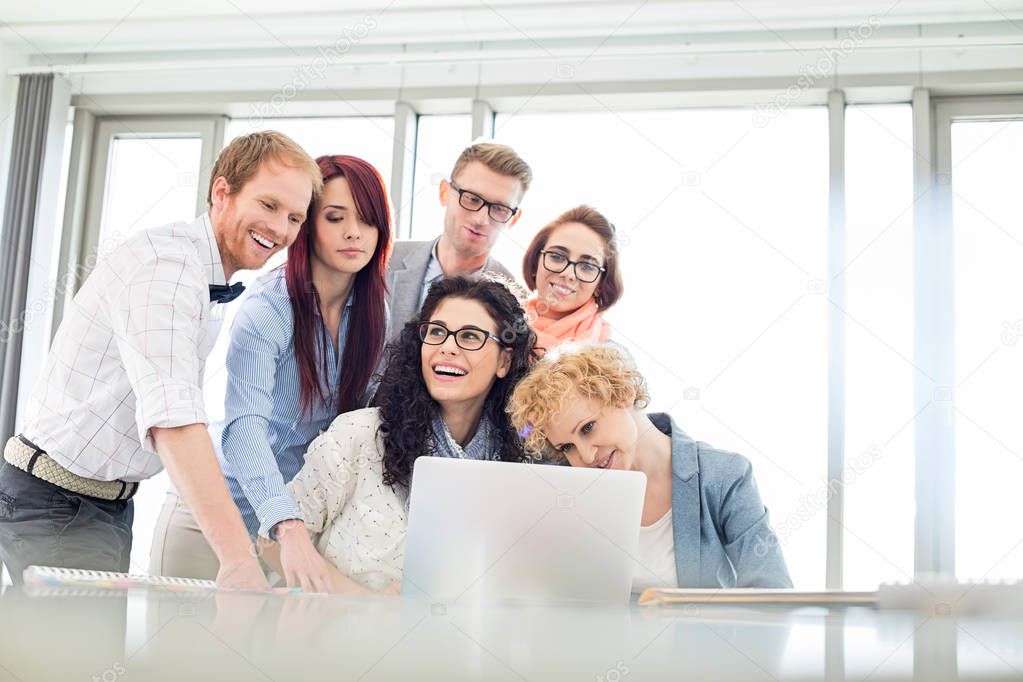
(585, 271)
(466, 338)
(474, 202)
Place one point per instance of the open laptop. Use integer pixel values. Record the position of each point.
(500, 532)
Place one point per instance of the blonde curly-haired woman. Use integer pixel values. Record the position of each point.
(703, 522)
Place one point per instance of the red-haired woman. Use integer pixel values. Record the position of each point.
(303, 350)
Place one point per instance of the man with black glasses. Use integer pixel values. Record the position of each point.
(482, 197)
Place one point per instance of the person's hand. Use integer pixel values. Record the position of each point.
(243, 574)
(303, 566)
(342, 584)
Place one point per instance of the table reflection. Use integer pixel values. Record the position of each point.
(150, 635)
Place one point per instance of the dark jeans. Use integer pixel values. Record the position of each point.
(45, 525)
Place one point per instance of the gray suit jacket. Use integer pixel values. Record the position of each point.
(723, 537)
(405, 273)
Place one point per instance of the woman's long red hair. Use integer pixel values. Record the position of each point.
(367, 324)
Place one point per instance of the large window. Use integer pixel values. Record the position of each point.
(879, 366)
(722, 219)
(154, 177)
(987, 174)
(151, 181)
(370, 137)
(148, 173)
(439, 141)
(722, 225)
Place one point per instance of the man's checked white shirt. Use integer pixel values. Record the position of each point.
(129, 354)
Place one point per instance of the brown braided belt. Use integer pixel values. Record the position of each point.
(22, 453)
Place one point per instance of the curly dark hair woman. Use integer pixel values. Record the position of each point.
(435, 369)
(451, 372)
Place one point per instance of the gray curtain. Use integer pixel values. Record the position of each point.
(27, 149)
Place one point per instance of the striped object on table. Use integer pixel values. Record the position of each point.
(49, 580)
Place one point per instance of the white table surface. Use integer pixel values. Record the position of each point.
(147, 635)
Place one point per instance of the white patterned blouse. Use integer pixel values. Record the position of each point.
(358, 523)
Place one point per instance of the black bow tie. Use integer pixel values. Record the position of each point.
(225, 293)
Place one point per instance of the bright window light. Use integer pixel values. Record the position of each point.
(370, 138)
(879, 369)
(151, 181)
(723, 227)
(439, 141)
(987, 173)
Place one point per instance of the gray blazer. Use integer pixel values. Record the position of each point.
(722, 534)
(405, 273)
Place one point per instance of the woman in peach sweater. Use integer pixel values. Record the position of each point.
(572, 266)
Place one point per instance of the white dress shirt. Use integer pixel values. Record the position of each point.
(435, 273)
(129, 354)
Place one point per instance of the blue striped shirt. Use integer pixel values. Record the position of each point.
(265, 431)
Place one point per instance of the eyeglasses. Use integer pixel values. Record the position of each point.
(474, 202)
(467, 338)
(585, 271)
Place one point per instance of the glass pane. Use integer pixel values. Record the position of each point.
(439, 141)
(151, 181)
(65, 168)
(370, 137)
(987, 173)
(723, 226)
(878, 274)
